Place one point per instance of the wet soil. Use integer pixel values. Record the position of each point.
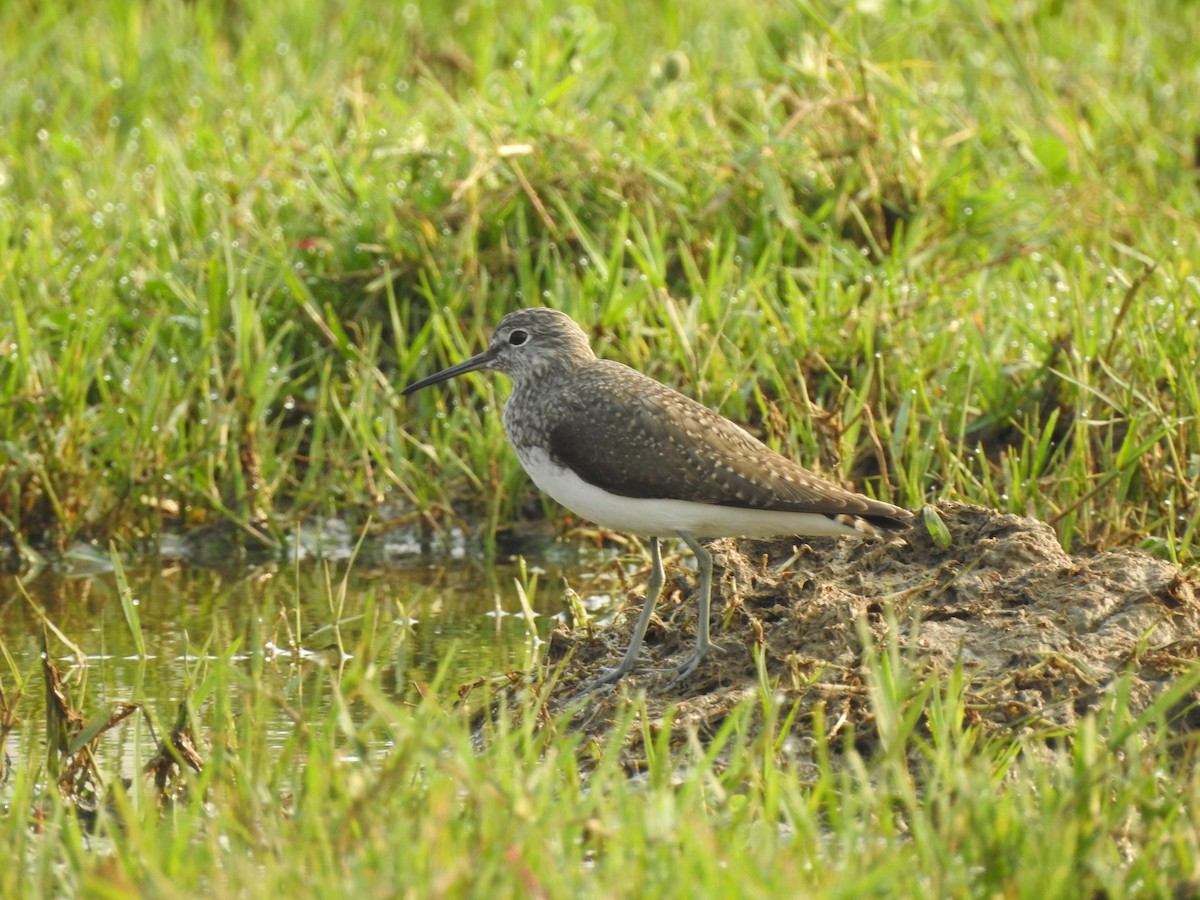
(1043, 637)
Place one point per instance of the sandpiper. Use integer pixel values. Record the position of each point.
(634, 456)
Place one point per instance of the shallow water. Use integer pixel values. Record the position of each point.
(284, 627)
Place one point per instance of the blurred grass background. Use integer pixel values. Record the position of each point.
(937, 249)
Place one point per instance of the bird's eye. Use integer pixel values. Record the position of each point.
(517, 338)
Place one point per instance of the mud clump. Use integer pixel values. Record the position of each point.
(1041, 636)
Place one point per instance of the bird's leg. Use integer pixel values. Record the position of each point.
(653, 589)
(703, 644)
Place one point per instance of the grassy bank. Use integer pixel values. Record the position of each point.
(936, 249)
(372, 797)
(949, 244)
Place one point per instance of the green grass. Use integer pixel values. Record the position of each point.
(378, 798)
(940, 249)
(948, 243)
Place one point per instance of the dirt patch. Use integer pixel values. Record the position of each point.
(1041, 635)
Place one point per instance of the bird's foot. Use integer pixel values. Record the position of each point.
(606, 678)
(685, 671)
(687, 668)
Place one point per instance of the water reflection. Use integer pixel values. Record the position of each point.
(283, 627)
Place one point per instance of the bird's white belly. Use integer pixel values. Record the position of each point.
(663, 518)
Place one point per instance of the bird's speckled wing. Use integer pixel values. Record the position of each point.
(678, 448)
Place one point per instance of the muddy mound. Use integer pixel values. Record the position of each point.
(1040, 635)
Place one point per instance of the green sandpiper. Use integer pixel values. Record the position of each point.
(632, 455)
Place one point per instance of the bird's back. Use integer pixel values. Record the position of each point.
(629, 435)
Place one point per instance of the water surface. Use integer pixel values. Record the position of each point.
(286, 627)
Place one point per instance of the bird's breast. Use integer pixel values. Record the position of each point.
(666, 517)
